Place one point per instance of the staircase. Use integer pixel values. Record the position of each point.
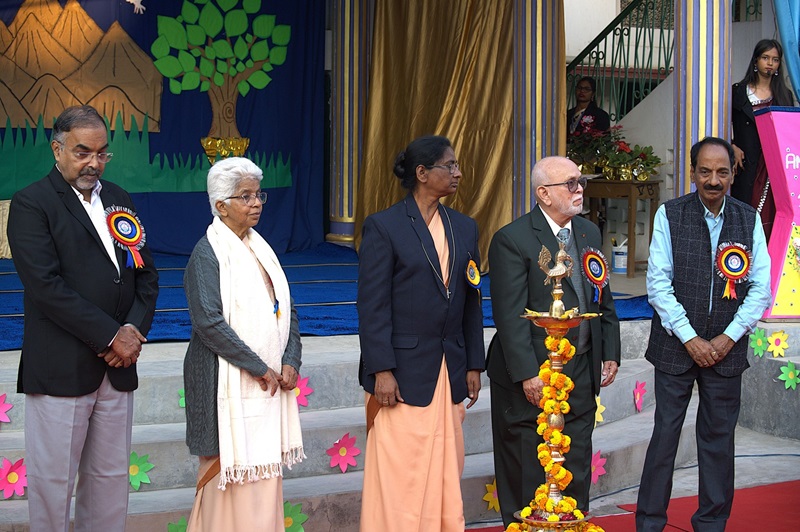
(330, 498)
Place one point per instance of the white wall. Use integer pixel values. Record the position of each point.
(584, 20)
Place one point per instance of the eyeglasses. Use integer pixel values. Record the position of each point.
(583, 88)
(102, 157)
(250, 199)
(452, 167)
(572, 184)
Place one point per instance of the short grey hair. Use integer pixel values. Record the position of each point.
(77, 117)
(226, 175)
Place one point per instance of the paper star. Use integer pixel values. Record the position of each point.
(343, 452)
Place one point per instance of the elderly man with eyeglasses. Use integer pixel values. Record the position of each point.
(518, 349)
(90, 295)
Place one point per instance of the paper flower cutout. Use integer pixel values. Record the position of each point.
(302, 391)
(598, 415)
(182, 398)
(597, 467)
(137, 470)
(180, 526)
(758, 341)
(638, 395)
(5, 407)
(293, 517)
(778, 344)
(13, 478)
(491, 496)
(790, 376)
(343, 452)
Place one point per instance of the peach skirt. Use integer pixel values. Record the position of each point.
(254, 506)
(412, 471)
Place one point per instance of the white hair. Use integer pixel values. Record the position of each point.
(226, 175)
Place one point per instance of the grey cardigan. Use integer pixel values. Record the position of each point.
(212, 337)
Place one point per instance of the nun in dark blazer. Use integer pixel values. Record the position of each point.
(422, 351)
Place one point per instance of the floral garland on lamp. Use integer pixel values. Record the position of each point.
(555, 396)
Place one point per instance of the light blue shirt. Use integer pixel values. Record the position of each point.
(661, 294)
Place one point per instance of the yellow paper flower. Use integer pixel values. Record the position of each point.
(491, 496)
(598, 415)
(778, 344)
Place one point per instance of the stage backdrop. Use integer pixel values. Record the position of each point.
(166, 73)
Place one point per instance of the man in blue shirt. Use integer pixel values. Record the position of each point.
(708, 279)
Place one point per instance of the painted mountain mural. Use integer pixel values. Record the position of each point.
(53, 57)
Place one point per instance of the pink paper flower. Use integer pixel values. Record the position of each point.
(343, 452)
(13, 478)
(4, 407)
(302, 391)
(638, 395)
(597, 467)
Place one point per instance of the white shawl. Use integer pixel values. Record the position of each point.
(258, 434)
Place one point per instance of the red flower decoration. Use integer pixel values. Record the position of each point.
(13, 478)
(638, 395)
(302, 391)
(343, 452)
(597, 467)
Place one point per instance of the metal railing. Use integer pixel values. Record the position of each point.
(629, 58)
(746, 10)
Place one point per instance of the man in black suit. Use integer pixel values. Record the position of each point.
(89, 301)
(517, 350)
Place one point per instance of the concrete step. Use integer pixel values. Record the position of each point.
(333, 501)
(176, 468)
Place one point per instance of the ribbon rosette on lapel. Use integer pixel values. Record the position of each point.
(473, 274)
(128, 233)
(595, 267)
(733, 265)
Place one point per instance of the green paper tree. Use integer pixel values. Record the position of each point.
(223, 47)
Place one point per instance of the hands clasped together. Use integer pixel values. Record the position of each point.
(125, 348)
(705, 354)
(272, 380)
(533, 386)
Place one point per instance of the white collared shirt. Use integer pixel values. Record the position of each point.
(97, 215)
(554, 226)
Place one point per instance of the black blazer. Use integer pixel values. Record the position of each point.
(517, 350)
(601, 120)
(406, 321)
(75, 300)
(745, 137)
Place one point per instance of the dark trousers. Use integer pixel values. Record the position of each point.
(717, 415)
(515, 440)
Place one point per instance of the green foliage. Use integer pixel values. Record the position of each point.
(26, 156)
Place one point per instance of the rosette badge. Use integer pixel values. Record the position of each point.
(128, 233)
(473, 274)
(733, 265)
(595, 267)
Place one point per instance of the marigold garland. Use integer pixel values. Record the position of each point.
(555, 395)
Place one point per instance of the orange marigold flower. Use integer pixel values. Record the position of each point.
(551, 343)
(564, 407)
